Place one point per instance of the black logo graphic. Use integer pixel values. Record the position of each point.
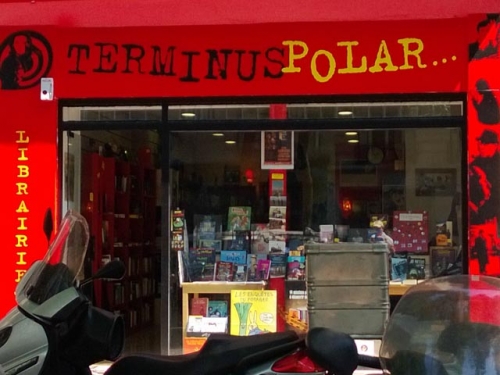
(25, 57)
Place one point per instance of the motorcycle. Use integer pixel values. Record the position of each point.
(55, 329)
(444, 326)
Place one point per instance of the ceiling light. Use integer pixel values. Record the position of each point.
(218, 134)
(230, 142)
(351, 133)
(353, 141)
(188, 114)
(345, 113)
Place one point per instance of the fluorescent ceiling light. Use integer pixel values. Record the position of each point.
(218, 134)
(353, 141)
(345, 113)
(351, 133)
(230, 142)
(188, 114)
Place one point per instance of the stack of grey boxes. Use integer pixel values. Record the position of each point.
(348, 287)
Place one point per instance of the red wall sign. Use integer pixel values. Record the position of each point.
(288, 59)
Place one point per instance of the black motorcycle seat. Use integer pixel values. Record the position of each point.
(220, 355)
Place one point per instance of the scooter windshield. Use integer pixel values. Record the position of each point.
(61, 265)
(445, 326)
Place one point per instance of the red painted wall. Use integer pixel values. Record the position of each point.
(484, 146)
(262, 60)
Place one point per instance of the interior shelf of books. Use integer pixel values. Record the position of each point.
(216, 266)
(119, 203)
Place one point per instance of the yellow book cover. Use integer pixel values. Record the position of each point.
(253, 312)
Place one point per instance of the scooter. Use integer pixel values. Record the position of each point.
(54, 329)
(444, 326)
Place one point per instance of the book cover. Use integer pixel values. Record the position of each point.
(441, 258)
(277, 247)
(263, 269)
(239, 218)
(201, 264)
(253, 312)
(199, 306)
(240, 273)
(223, 271)
(296, 266)
(417, 268)
(252, 261)
(217, 309)
(278, 265)
(238, 257)
(399, 268)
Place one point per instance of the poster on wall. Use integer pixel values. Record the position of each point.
(410, 231)
(277, 150)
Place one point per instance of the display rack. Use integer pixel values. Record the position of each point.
(194, 289)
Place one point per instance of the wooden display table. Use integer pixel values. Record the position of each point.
(211, 287)
(398, 289)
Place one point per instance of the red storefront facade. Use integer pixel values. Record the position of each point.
(144, 51)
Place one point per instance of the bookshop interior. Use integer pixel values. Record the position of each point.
(249, 231)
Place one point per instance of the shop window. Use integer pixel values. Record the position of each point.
(401, 187)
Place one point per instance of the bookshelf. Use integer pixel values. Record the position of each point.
(119, 203)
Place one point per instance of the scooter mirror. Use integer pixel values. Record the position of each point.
(113, 270)
(48, 224)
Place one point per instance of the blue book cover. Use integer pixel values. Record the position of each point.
(234, 256)
(399, 268)
(217, 309)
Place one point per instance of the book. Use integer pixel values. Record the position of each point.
(217, 309)
(441, 258)
(224, 271)
(263, 269)
(240, 273)
(278, 265)
(252, 261)
(199, 306)
(253, 312)
(417, 268)
(399, 268)
(234, 256)
(201, 264)
(239, 218)
(296, 266)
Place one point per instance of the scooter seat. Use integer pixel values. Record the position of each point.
(220, 354)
